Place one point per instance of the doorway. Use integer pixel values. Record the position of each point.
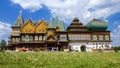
(83, 48)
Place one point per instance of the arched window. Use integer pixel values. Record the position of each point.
(27, 38)
(100, 37)
(106, 37)
(36, 37)
(40, 37)
(16, 39)
(23, 38)
(13, 39)
(31, 38)
(94, 37)
(44, 38)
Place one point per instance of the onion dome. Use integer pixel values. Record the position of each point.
(97, 25)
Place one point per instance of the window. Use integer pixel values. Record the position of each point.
(87, 47)
(16, 34)
(79, 37)
(36, 37)
(27, 38)
(16, 39)
(16, 28)
(13, 39)
(63, 37)
(31, 38)
(99, 43)
(106, 37)
(100, 37)
(96, 43)
(23, 38)
(106, 43)
(43, 37)
(40, 37)
(94, 37)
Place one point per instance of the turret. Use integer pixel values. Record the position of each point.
(50, 29)
(17, 25)
(62, 26)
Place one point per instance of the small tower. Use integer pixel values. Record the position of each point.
(57, 24)
(62, 26)
(16, 30)
(19, 21)
(50, 29)
(18, 24)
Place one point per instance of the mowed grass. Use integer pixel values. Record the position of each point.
(59, 60)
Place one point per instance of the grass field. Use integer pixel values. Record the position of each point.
(59, 60)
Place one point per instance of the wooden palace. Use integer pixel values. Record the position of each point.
(52, 36)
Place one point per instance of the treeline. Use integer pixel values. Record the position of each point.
(3, 45)
(117, 48)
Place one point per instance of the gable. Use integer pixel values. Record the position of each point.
(51, 38)
(41, 27)
(28, 27)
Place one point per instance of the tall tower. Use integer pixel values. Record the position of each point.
(18, 23)
(16, 30)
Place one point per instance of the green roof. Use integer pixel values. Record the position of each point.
(97, 25)
(57, 23)
(50, 25)
(75, 19)
(19, 21)
(62, 26)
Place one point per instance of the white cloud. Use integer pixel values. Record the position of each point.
(115, 34)
(85, 10)
(31, 5)
(119, 26)
(5, 30)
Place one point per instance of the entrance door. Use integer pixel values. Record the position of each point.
(83, 48)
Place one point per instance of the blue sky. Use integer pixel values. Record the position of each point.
(85, 10)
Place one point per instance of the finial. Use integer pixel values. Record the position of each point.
(50, 18)
(20, 14)
(94, 17)
(20, 11)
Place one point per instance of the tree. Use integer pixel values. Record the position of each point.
(3, 45)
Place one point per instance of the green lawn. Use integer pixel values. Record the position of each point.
(59, 60)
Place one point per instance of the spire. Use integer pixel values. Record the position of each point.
(50, 25)
(57, 21)
(19, 21)
(62, 26)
